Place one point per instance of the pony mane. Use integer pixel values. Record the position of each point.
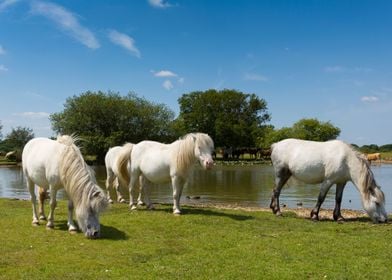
(122, 161)
(78, 178)
(186, 149)
(367, 178)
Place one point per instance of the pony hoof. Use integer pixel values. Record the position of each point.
(35, 223)
(49, 227)
(177, 212)
(278, 214)
(314, 218)
(133, 207)
(110, 201)
(122, 200)
(141, 203)
(42, 218)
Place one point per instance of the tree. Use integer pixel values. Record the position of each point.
(102, 120)
(230, 117)
(18, 137)
(306, 129)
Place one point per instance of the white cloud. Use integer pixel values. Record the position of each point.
(124, 41)
(161, 4)
(33, 115)
(67, 21)
(167, 84)
(369, 99)
(255, 77)
(334, 69)
(164, 74)
(7, 3)
(3, 68)
(2, 50)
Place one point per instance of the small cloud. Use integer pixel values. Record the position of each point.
(125, 41)
(164, 74)
(160, 4)
(334, 69)
(6, 4)
(255, 77)
(167, 84)
(67, 21)
(2, 50)
(33, 115)
(3, 68)
(369, 99)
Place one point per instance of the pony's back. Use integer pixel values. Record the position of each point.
(40, 158)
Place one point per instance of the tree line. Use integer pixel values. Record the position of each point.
(232, 118)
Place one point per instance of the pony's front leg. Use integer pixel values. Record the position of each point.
(53, 204)
(177, 184)
(324, 188)
(71, 225)
(337, 216)
(33, 198)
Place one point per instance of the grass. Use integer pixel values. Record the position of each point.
(203, 243)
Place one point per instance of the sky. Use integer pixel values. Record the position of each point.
(330, 60)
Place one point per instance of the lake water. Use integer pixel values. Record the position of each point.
(238, 185)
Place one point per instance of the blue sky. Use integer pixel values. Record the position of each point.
(330, 60)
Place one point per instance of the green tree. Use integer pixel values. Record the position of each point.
(18, 137)
(306, 129)
(230, 117)
(102, 120)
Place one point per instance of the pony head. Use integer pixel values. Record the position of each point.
(374, 205)
(88, 216)
(204, 147)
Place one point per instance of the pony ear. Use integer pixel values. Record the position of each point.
(96, 194)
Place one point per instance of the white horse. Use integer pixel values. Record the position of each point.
(160, 163)
(117, 158)
(328, 163)
(59, 164)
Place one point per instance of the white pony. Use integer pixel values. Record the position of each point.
(160, 163)
(328, 163)
(59, 164)
(118, 158)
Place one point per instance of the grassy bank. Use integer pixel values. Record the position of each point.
(204, 243)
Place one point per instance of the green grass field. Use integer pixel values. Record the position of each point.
(203, 243)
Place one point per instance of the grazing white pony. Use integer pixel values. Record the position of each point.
(59, 164)
(158, 163)
(327, 163)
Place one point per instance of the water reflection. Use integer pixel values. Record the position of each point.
(240, 185)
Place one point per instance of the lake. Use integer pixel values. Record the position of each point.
(248, 185)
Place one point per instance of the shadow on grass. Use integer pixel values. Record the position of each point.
(107, 232)
(189, 210)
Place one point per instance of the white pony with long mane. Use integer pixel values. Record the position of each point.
(157, 163)
(326, 163)
(59, 164)
(118, 158)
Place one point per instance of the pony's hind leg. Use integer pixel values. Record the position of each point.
(281, 178)
(42, 195)
(53, 204)
(33, 198)
(109, 185)
(324, 188)
(337, 216)
(145, 189)
(120, 198)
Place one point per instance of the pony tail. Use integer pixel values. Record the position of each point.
(122, 162)
(67, 140)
